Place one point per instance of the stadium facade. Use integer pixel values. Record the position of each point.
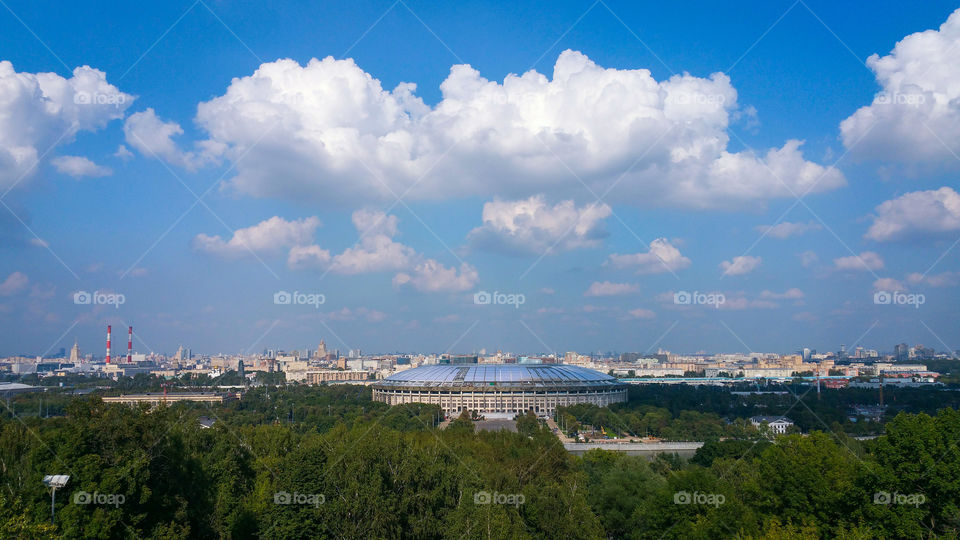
(500, 388)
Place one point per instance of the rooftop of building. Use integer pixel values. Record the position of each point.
(499, 375)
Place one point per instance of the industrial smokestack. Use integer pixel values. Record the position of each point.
(108, 343)
(130, 345)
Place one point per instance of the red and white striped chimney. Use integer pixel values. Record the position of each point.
(130, 345)
(108, 343)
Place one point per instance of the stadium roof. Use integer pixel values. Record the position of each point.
(499, 376)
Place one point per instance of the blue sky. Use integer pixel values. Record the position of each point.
(595, 191)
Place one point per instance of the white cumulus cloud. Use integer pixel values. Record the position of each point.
(789, 294)
(809, 258)
(123, 153)
(662, 257)
(153, 137)
(914, 214)
(376, 251)
(311, 256)
(78, 166)
(740, 265)
(13, 284)
(945, 279)
(915, 118)
(431, 276)
(41, 110)
(606, 288)
(369, 221)
(533, 226)
(641, 313)
(888, 284)
(269, 236)
(867, 261)
(328, 131)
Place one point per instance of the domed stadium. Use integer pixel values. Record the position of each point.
(500, 389)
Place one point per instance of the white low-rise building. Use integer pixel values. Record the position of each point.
(777, 424)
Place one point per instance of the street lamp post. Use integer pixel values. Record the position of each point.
(54, 482)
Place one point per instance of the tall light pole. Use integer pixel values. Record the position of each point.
(54, 482)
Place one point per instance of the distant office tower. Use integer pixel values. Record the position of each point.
(322, 349)
(901, 352)
(243, 376)
(75, 352)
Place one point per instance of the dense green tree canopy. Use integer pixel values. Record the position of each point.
(327, 462)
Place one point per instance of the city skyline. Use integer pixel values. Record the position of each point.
(857, 351)
(388, 177)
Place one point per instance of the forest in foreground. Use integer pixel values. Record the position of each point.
(329, 463)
